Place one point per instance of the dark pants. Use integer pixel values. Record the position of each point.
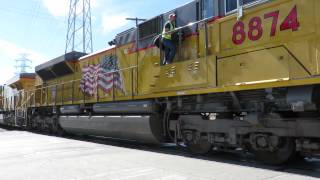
(169, 49)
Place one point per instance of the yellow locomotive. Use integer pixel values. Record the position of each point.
(246, 75)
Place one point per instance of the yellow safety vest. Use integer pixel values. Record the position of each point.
(167, 35)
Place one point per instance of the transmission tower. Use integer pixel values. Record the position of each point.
(22, 64)
(79, 33)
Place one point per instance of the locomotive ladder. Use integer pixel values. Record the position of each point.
(21, 112)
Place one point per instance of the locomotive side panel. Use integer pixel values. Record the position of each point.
(254, 67)
(270, 24)
(148, 56)
(125, 72)
(276, 27)
(87, 83)
(189, 68)
(148, 70)
(107, 76)
(288, 25)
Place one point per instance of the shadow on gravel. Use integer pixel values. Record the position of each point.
(306, 167)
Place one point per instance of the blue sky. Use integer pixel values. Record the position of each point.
(38, 27)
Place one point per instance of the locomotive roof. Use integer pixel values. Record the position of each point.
(15, 81)
(59, 66)
(97, 52)
(22, 75)
(71, 56)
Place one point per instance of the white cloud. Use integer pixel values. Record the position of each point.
(13, 51)
(9, 52)
(113, 22)
(95, 3)
(106, 12)
(60, 8)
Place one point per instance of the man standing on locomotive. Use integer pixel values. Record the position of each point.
(169, 46)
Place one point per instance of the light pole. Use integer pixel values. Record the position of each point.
(137, 20)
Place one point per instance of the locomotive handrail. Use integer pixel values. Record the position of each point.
(34, 91)
(206, 20)
(67, 82)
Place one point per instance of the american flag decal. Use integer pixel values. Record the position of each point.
(104, 76)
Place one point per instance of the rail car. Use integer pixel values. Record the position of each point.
(246, 75)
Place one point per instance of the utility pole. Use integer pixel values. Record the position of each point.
(22, 64)
(79, 33)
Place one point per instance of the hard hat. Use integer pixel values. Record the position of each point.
(172, 15)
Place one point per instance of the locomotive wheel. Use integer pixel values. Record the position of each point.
(56, 128)
(299, 157)
(284, 152)
(201, 147)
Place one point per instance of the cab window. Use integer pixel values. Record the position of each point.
(232, 5)
(208, 9)
(149, 28)
(248, 1)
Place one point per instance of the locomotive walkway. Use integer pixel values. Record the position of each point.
(25, 155)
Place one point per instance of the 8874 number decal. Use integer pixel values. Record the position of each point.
(255, 29)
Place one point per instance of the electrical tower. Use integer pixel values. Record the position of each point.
(79, 33)
(22, 64)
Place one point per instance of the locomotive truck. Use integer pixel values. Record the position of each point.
(246, 75)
